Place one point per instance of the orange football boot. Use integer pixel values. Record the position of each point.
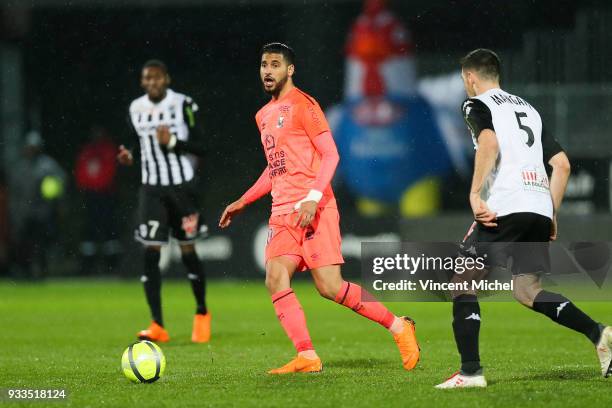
(299, 365)
(201, 328)
(154, 333)
(407, 343)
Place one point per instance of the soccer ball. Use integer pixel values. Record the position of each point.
(143, 362)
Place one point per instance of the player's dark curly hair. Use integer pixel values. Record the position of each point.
(484, 61)
(155, 63)
(280, 48)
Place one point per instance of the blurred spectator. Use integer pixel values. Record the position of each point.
(95, 172)
(36, 187)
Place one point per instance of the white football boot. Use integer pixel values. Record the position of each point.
(459, 380)
(604, 352)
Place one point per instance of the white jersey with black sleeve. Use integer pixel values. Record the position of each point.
(519, 182)
(162, 166)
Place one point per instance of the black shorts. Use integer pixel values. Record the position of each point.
(523, 237)
(168, 211)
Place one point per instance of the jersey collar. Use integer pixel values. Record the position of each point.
(168, 97)
(491, 91)
(294, 89)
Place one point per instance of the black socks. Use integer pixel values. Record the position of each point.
(195, 273)
(466, 324)
(561, 310)
(152, 284)
(466, 328)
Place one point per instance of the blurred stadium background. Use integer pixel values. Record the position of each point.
(68, 71)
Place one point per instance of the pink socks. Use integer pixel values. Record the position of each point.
(360, 301)
(291, 317)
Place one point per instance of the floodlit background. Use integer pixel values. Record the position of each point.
(387, 75)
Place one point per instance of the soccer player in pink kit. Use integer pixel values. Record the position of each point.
(304, 226)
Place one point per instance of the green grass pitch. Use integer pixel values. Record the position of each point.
(70, 334)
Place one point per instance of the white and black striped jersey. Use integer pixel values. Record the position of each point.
(519, 181)
(162, 166)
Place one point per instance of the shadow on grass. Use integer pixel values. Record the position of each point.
(181, 342)
(361, 363)
(565, 374)
(329, 365)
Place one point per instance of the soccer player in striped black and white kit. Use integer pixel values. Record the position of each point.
(165, 124)
(519, 206)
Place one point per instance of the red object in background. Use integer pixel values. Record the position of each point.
(96, 166)
(376, 36)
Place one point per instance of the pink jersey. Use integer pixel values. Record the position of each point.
(288, 127)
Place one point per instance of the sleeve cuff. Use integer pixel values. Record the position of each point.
(313, 195)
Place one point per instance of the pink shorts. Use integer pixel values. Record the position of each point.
(316, 245)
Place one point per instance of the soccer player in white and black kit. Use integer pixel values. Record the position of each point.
(512, 151)
(165, 124)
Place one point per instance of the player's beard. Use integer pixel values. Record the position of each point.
(156, 95)
(275, 91)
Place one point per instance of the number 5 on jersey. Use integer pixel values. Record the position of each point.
(525, 128)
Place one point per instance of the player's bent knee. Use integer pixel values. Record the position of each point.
(278, 276)
(328, 280)
(460, 280)
(275, 284)
(526, 288)
(456, 293)
(523, 297)
(328, 290)
(272, 283)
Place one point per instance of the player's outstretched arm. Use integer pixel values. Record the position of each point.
(230, 211)
(486, 155)
(558, 182)
(262, 186)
